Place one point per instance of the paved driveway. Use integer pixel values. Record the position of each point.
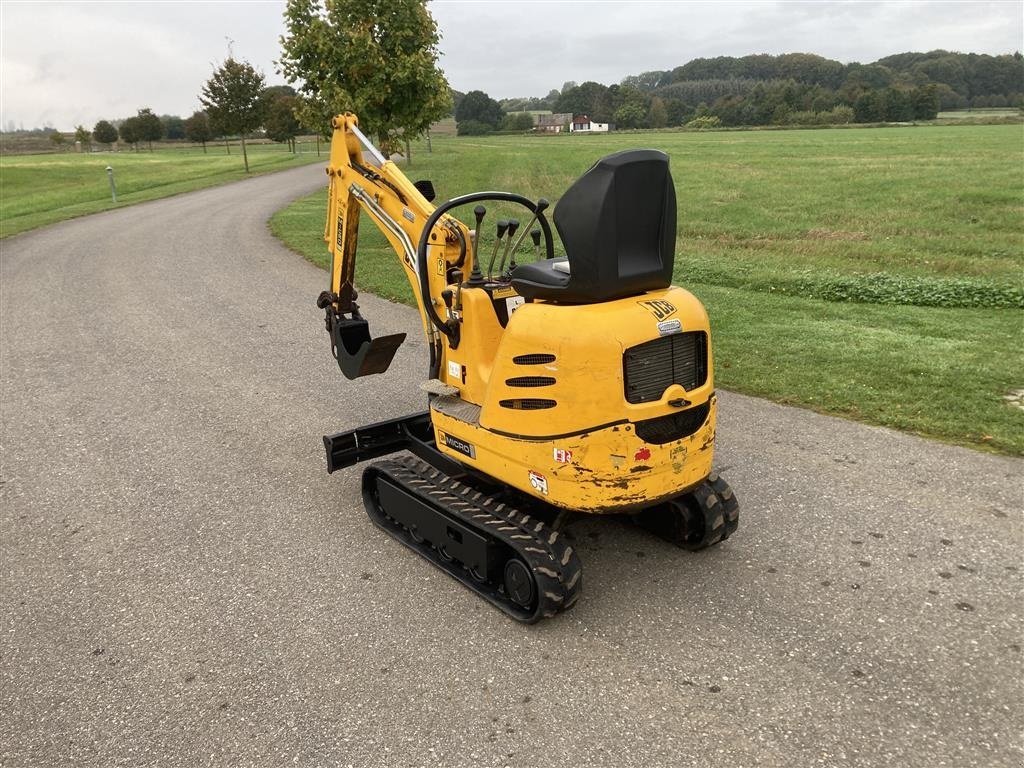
(183, 584)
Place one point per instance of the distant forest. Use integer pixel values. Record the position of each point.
(794, 88)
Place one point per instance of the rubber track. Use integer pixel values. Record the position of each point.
(553, 562)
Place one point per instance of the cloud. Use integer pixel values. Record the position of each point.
(77, 62)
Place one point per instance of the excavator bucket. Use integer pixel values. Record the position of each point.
(357, 354)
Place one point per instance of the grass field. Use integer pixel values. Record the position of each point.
(874, 274)
(42, 189)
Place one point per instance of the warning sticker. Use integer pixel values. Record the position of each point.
(504, 293)
(539, 482)
(512, 303)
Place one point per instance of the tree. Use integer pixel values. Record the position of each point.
(174, 126)
(925, 101)
(629, 115)
(131, 132)
(376, 58)
(197, 129)
(150, 127)
(57, 138)
(280, 122)
(657, 115)
(104, 133)
(473, 128)
(82, 136)
(271, 94)
(517, 121)
(479, 107)
(232, 100)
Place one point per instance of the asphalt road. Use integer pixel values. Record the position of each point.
(183, 583)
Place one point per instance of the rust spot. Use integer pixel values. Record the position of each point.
(640, 468)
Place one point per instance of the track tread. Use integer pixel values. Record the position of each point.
(556, 568)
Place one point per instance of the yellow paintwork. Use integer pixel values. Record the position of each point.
(582, 454)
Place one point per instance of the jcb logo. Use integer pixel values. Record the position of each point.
(659, 308)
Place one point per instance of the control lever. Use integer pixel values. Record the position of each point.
(457, 282)
(535, 235)
(502, 226)
(542, 205)
(513, 225)
(475, 277)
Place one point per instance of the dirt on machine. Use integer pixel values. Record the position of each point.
(561, 381)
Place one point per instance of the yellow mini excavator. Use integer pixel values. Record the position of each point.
(572, 384)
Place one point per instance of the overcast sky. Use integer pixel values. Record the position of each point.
(69, 63)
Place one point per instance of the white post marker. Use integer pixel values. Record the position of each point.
(113, 189)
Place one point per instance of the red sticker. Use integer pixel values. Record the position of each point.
(644, 454)
(562, 456)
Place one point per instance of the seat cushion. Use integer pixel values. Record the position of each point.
(542, 280)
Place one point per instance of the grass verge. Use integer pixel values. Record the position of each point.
(36, 190)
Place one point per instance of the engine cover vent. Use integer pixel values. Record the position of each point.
(652, 367)
(530, 381)
(538, 358)
(528, 404)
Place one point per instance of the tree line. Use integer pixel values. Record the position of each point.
(793, 89)
(273, 107)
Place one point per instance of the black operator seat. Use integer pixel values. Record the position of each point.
(618, 226)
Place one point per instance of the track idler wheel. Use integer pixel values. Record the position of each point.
(701, 517)
(518, 583)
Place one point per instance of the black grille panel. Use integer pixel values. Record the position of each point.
(528, 404)
(675, 426)
(534, 359)
(530, 381)
(652, 367)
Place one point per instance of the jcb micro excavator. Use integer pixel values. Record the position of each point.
(574, 384)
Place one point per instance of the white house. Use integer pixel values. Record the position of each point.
(582, 124)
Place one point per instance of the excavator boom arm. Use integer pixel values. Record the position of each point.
(363, 180)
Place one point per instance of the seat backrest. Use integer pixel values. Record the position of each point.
(618, 226)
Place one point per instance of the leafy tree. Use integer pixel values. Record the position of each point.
(457, 97)
(898, 106)
(57, 138)
(376, 58)
(645, 81)
(586, 99)
(479, 107)
(629, 115)
(657, 114)
(150, 127)
(271, 94)
(131, 132)
(280, 121)
(197, 129)
(232, 100)
(104, 133)
(704, 122)
(925, 102)
(517, 121)
(82, 136)
(174, 126)
(473, 128)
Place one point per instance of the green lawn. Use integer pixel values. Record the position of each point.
(42, 189)
(875, 274)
